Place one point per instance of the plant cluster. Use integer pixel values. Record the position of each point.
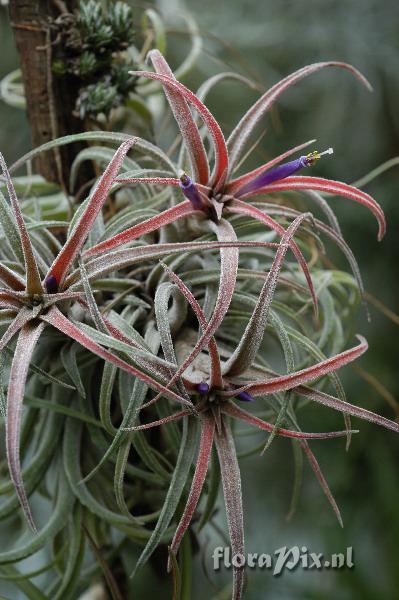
(91, 44)
(137, 333)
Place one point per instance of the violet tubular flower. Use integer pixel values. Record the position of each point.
(283, 171)
(203, 387)
(245, 397)
(191, 192)
(51, 284)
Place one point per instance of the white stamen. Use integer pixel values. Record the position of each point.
(328, 151)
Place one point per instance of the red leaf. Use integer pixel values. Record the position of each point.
(168, 216)
(250, 120)
(201, 469)
(55, 318)
(292, 380)
(11, 279)
(187, 125)
(332, 187)
(221, 156)
(238, 207)
(70, 250)
(33, 282)
(238, 413)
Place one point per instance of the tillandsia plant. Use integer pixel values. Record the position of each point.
(112, 343)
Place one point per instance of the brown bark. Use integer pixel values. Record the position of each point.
(50, 99)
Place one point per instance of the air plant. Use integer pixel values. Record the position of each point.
(164, 345)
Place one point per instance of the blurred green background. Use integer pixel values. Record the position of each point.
(266, 41)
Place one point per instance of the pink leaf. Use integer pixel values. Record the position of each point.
(101, 265)
(292, 380)
(10, 299)
(216, 371)
(275, 209)
(33, 282)
(70, 250)
(345, 407)
(250, 120)
(187, 125)
(27, 341)
(228, 276)
(164, 421)
(331, 187)
(55, 318)
(221, 156)
(201, 469)
(11, 279)
(155, 180)
(22, 317)
(247, 349)
(321, 479)
(239, 207)
(168, 216)
(238, 413)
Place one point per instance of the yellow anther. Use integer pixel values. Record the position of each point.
(312, 157)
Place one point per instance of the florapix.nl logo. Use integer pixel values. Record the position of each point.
(282, 559)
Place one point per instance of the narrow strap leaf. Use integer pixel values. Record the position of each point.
(239, 207)
(221, 156)
(72, 247)
(201, 469)
(247, 349)
(26, 344)
(250, 120)
(233, 410)
(177, 484)
(228, 276)
(346, 407)
(332, 187)
(161, 301)
(23, 316)
(321, 479)
(99, 266)
(54, 523)
(55, 318)
(216, 370)
(11, 279)
(231, 481)
(33, 282)
(292, 380)
(99, 136)
(171, 215)
(187, 125)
